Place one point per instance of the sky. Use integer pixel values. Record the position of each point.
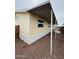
(58, 8)
(26, 4)
(57, 5)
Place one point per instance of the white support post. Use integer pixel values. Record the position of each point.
(51, 40)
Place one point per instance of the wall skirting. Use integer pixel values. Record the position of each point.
(37, 37)
(31, 39)
(25, 38)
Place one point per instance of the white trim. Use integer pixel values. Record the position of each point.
(22, 10)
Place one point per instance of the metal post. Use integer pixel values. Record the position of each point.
(51, 32)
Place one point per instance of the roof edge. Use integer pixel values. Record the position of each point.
(22, 10)
(39, 5)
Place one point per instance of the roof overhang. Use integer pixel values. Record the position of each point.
(44, 12)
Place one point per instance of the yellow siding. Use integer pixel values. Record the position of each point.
(29, 30)
(29, 24)
(34, 30)
(23, 19)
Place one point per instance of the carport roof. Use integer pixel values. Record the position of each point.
(43, 11)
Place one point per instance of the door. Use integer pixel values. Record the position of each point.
(17, 31)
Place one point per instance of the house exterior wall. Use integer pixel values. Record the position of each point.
(34, 29)
(29, 30)
(22, 19)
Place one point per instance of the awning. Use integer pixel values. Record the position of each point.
(44, 11)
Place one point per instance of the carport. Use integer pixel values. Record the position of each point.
(47, 14)
(53, 12)
(44, 11)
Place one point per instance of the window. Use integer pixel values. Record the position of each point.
(40, 23)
